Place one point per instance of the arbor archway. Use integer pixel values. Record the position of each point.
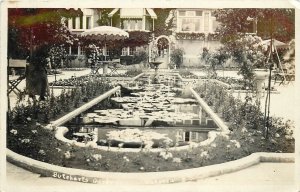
(163, 43)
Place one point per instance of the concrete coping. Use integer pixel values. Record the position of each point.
(138, 76)
(100, 177)
(211, 113)
(81, 109)
(61, 131)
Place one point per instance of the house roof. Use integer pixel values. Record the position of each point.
(151, 13)
(17, 63)
(133, 13)
(113, 12)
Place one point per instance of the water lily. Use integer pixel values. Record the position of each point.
(14, 132)
(25, 141)
(120, 145)
(42, 152)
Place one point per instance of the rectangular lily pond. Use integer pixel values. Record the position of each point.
(144, 114)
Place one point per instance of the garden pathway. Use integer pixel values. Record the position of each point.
(276, 177)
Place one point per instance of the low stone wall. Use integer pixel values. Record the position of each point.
(98, 177)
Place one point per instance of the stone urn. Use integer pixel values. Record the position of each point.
(260, 77)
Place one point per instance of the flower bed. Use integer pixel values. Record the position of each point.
(191, 36)
(246, 121)
(235, 83)
(44, 111)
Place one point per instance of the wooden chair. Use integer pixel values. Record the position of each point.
(114, 66)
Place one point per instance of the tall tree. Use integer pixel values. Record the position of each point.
(164, 22)
(103, 19)
(237, 22)
(32, 33)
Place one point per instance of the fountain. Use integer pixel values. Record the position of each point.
(156, 64)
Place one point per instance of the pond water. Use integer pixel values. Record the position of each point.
(145, 114)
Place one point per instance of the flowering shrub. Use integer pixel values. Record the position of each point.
(57, 56)
(237, 113)
(166, 155)
(133, 72)
(214, 59)
(177, 57)
(246, 118)
(249, 54)
(54, 106)
(192, 36)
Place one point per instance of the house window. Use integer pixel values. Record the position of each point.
(206, 22)
(81, 22)
(190, 24)
(74, 23)
(124, 51)
(107, 52)
(194, 136)
(190, 21)
(88, 22)
(190, 13)
(132, 24)
(132, 50)
(181, 13)
(198, 13)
